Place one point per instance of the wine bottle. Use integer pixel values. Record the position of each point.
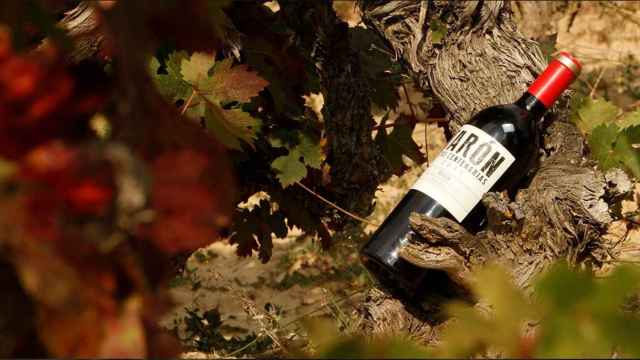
(492, 152)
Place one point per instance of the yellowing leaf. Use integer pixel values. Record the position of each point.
(208, 94)
(196, 68)
(230, 126)
(234, 83)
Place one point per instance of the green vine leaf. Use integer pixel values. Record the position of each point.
(627, 149)
(310, 151)
(601, 142)
(613, 147)
(614, 140)
(590, 113)
(289, 168)
(170, 82)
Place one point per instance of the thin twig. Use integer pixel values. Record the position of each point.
(188, 103)
(633, 105)
(320, 308)
(246, 346)
(595, 86)
(336, 206)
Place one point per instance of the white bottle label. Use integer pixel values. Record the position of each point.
(466, 168)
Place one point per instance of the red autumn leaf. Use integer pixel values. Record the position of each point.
(124, 335)
(20, 78)
(5, 44)
(89, 198)
(75, 333)
(236, 83)
(185, 165)
(181, 232)
(49, 161)
(188, 210)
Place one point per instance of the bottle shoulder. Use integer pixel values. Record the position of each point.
(508, 113)
(509, 124)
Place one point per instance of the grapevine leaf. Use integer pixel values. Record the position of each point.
(154, 65)
(310, 151)
(299, 214)
(601, 142)
(254, 229)
(230, 126)
(629, 120)
(234, 83)
(187, 204)
(174, 63)
(206, 93)
(627, 151)
(613, 147)
(276, 142)
(591, 113)
(170, 84)
(197, 109)
(245, 227)
(398, 143)
(289, 167)
(172, 88)
(195, 69)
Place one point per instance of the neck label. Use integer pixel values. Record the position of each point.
(465, 170)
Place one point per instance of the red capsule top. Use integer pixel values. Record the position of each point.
(556, 78)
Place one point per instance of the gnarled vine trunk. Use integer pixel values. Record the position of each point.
(483, 60)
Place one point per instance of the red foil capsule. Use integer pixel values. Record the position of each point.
(556, 78)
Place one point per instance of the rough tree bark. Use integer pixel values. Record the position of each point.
(356, 162)
(562, 214)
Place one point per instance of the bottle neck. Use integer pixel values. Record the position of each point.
(532, 105)
(551, 83)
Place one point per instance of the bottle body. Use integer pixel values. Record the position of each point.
(513, 127)
(493, 152)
